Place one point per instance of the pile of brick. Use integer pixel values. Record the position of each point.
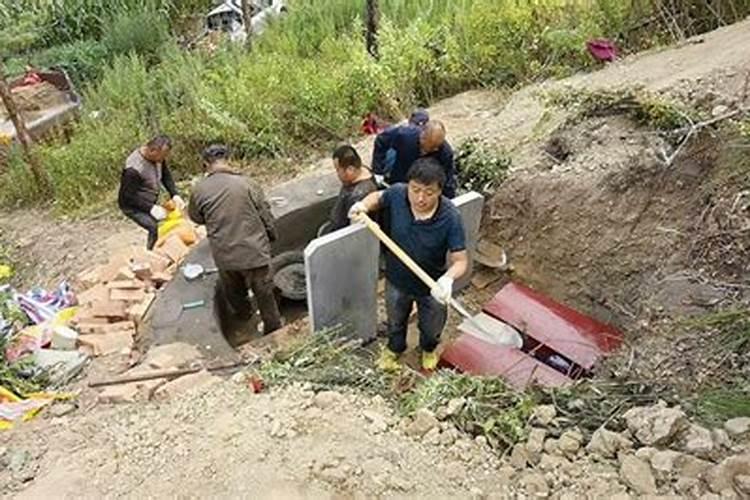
(114, 298)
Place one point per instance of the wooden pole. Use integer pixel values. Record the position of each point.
(372, 17)
(247, 20)
(22, 133)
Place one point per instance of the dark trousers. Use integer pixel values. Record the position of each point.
(147, 222)
(236, 284)
(431, 317)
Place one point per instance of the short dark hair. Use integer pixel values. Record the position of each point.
(427, 171)
(347, 156)
(215, 152)
(160, 141)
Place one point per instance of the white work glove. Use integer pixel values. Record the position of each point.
(158, 212)
(179, 203)
(443, 290)
(357, 209)
(379, 180)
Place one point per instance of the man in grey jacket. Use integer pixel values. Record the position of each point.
(240, 230)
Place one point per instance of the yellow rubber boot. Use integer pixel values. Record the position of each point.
(388, 361)
(430, 361)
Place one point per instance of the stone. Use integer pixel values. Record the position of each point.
(326, 399)
(519, 456)
(637, 475)
(688, 486)
(544, 414)
(551, 446)
(720, 438)
(173, 355)
(61, 409)
(329, 290)
(432, 437)
(108, 343)
(655, 425)
(663, 462)
(738, 427)
(698, 441)
(470, 206)
(239, 378)
(455, 406)
(123, 393)
(535, 484)
(551, 462)
(722, 476)
(535, 444)
(378, 423)
(692, 467)
(607, 444)
(570, 442)
(448, 437)
(422, 423)
(743, 483)
(645, 453)
(719, 110)
(184, 384)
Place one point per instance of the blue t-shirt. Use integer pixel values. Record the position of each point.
(426, 241)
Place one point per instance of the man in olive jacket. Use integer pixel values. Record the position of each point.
(240, 230)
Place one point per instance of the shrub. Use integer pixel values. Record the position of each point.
(83, 60)
(478, 168)
(142, 33)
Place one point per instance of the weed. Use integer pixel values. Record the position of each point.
(480, 169)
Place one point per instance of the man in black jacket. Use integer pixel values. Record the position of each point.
(145, 172)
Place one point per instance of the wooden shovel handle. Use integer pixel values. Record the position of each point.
(393, 247)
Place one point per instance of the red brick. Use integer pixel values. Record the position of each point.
(129, 284)
(108, 343)
(119, 294)
(174, 249)
(111, 309)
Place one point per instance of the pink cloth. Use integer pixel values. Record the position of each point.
(602, 50)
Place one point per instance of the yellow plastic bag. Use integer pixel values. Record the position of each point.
(14, 409)
(5, 272)
(174, 219)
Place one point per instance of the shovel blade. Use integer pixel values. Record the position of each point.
(490, 330)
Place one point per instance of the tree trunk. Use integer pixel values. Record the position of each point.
(247, 20)
(24, 138)
(373, 20)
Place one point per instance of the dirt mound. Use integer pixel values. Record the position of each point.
(31, 99)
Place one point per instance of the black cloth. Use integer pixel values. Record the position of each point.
(147, 222)
(348, 196)
(139, 183)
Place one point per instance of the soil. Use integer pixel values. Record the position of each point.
(589, 216)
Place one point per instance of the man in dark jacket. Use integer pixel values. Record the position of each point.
(145, 172)
(356, 183)
(240, 229)
(411, 143)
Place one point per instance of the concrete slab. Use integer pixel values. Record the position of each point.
(341, 269)
(470, 205)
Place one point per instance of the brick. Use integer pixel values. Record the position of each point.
(108, 343)
(88, 278)
(129, 284)
(141, 270)
(174, 249)
(139, 256)
(103, 328)
(94, 294)
(186, 383)
(131, 296)
(111, 309)
(138, 311)
(111, 270)
(124, 274)
(159, 279)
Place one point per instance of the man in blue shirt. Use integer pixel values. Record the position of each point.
(428, 227)
(411, 143)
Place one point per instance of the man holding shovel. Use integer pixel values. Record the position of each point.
(240, 230)
(428, 228)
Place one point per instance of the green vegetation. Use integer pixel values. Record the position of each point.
(480, 168)
(308, 81)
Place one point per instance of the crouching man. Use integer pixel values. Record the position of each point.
(240, 230)
(428, 227)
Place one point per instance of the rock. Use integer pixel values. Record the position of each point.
(378, 423)
(174, 355)
(722, 476)
(697, 441)
(645, 453)
(432, 437)
(519, 457)
(535, 444)
(455, 406)
(607, 444)
(481, 441)
(663, 463)
(62, 408)
(123, 393)
(743, 483)
(570, 442)
(719, 110)
(738, 427)
(544, 414)
(477, 494)
(551, 446)
(535, 484)
(326, 399)
(637, 475)
(655, 425)
(690, 466)
(721, 439)
(688, 486)
(423, 422)
(186, 383)
(277, 429)
(551, 462)
(239, 378)
(448, 437)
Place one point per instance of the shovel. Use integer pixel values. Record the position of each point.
(507, 337)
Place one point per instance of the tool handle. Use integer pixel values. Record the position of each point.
(393, 247)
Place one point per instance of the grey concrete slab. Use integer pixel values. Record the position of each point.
(470, 205)
(341, 269)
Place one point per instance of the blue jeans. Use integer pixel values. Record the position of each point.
(431, 317)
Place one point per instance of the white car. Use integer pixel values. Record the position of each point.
(227, 17)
